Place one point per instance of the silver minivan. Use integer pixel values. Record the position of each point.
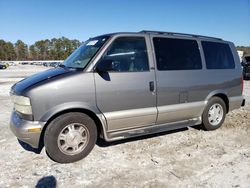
(123, 85)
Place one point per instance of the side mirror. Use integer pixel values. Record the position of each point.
(105, 65)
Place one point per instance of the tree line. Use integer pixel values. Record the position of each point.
(54, 49)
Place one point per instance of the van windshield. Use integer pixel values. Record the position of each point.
(83, 55)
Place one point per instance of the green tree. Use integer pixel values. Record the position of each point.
(33, 53)
(21, 50)
(42, 48)
(54, 49)
(7, 51)
(10, 51)
(2, 50)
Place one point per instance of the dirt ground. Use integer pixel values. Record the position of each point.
(185, 158)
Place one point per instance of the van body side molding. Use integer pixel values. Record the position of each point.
(118, 135)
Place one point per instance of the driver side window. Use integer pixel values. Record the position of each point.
(126, 54)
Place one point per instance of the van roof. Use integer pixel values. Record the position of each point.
(168, 33)
(177, 34)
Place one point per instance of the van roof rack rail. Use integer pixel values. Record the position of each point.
(177, 34)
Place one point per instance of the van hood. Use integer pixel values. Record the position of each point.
(20, 87)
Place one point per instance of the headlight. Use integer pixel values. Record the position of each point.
(23, 109)
(21, 100)
(22, 104)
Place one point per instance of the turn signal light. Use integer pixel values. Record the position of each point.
(34, 130)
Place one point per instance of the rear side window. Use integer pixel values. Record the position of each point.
(218, 55)
(177, 54)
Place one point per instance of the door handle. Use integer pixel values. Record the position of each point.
(152, 86)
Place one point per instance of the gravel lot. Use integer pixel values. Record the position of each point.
(184, 158)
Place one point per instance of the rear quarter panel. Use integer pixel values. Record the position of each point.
(215, 81)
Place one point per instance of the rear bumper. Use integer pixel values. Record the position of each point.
(21, 129)
(236, 102)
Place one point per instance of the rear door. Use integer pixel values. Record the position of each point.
(179, 71)
(125, 94)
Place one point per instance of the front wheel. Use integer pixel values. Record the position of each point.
(214, 114)
(70, 137)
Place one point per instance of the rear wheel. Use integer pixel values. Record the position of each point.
(70, 137)
(214, 114)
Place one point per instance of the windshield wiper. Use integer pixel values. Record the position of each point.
(64, 66)
(75, 68)
(61, 65)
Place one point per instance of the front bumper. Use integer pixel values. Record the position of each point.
(21, 129)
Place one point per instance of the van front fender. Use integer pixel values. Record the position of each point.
(72, 106)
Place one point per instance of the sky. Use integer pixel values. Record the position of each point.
(33, 20)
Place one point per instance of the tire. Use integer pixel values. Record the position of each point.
(210, 120)
(78, 134)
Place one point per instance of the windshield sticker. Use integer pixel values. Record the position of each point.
(92, 43)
